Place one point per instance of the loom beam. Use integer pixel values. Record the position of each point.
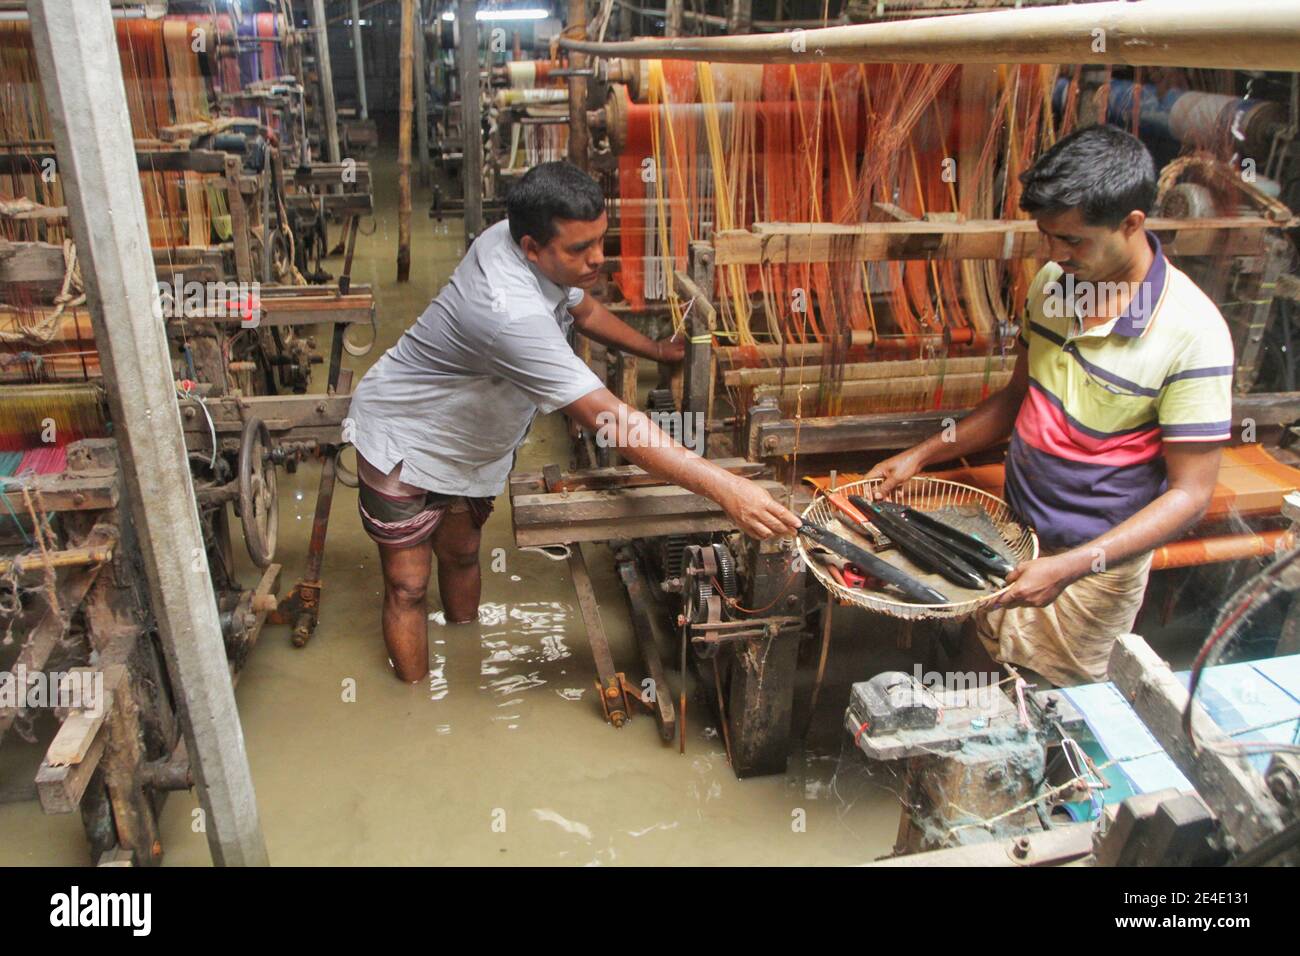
(1262, 35)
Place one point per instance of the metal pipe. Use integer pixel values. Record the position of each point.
(81, 75)
(1264, 35)
(360, 58)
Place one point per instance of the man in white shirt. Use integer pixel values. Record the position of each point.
(436, 421)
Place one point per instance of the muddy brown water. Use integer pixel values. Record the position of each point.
(500, 756)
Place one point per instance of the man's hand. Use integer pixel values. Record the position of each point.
(755, 511)
(670, 351)
(897, 470)
(597, 323)
(1039, 582)
(749, 505)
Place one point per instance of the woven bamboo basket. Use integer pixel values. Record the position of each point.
(931, 495)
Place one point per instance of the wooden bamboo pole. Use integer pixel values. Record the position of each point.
(422, 162)
(405, 60)
(471, 117)
(578, 133)
(673, 18)
(1261, 35)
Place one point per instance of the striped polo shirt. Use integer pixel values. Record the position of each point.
(1086, 449)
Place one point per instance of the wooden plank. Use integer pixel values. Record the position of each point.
(42, 262)
(617, 476)
(849, 433)
(688, 290)
(567, 518)
(60, 789)
(331, 174)
(79, 727)
(280, 412)
(861, 371)
(146, 160)
(974, 239)
(1229, 785)
(884, 388)
(48, 631)
(609, 677)
(884, 431)
(1053, 847)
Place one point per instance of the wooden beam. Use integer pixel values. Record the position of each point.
(1265, 35)
(1055, 847)
(146, 160)
(616, 478)
(406, 79)
(280, 412)
(42, 262)
(974, 239)
(48, 631)
(860, 371)
(692, 293)
(471, 118)
(882, 388)
(571, 517)
(892, 430)
(1229, 785)
(579, 134)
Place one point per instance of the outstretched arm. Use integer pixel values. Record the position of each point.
(596, 322)
(643, 443)
(988, 423)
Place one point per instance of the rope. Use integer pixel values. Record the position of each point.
(72, 294)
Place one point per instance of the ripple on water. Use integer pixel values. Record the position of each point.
(437, 677)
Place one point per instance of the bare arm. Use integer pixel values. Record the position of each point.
(988, 423)
(596, 322)
(1193, 469)
(755, 511)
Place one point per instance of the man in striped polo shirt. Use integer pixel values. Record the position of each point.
(1117, 411)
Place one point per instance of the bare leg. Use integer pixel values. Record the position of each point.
(456, 543)
(406, 617)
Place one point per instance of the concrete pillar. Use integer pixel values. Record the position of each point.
(81, 75)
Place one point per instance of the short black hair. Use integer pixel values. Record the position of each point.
(550, 191)
(1101, 169)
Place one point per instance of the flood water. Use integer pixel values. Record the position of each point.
(500, 756)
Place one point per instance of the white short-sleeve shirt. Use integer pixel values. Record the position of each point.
(454, 398)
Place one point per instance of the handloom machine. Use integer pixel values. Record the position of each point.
(236, 203)
(1150, 768)
(831, 220)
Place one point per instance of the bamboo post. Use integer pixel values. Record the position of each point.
(578, 135)
(421, 98)
(320, 28)
(404, 61)
(355, 13)
(740, 15)
(471, 123)
(673, 23)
